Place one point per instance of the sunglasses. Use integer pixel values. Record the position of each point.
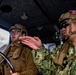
(15, 31)
(64, 25)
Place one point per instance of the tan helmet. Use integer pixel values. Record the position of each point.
(71, 14)
(19, 26)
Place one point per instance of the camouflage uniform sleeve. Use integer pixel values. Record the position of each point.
(42, 60)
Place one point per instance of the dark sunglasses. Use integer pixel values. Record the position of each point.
(64, 25)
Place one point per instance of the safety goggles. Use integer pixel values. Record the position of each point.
(64, 25)
(15, 31)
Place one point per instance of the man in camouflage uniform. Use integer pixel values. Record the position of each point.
(62, 60)
(64, 56)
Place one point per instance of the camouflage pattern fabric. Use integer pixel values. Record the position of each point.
(45, 61)
(42, 60)
(70, 66)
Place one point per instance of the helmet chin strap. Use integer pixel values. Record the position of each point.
(72, 33)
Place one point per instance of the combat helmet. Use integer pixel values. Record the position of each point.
(71, 14)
